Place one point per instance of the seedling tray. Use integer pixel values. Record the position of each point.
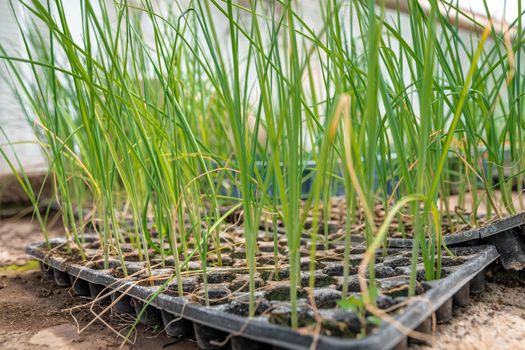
(488, 230)
(331, 231)
(224, 323)
(336, 225)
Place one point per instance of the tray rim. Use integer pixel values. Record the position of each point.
(386, 336)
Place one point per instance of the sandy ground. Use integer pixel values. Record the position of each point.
(493, 320)
(35, 314)
(15, 234)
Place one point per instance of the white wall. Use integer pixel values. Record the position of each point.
(12, 120)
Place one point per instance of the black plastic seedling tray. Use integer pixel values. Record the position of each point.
(225, 324)
(332, 230)
(461, 237)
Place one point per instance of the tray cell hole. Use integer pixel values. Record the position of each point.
(80, 286)
(444, 312)
(98, 292)
(177, 327)
(148, 315)
(217, 294)
(61, 278)
(47, 271)
(99, 264)
(209, 338)
(462, 296)
(477, 284)
(123, 305)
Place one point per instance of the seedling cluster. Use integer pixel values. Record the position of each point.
(165, 127)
